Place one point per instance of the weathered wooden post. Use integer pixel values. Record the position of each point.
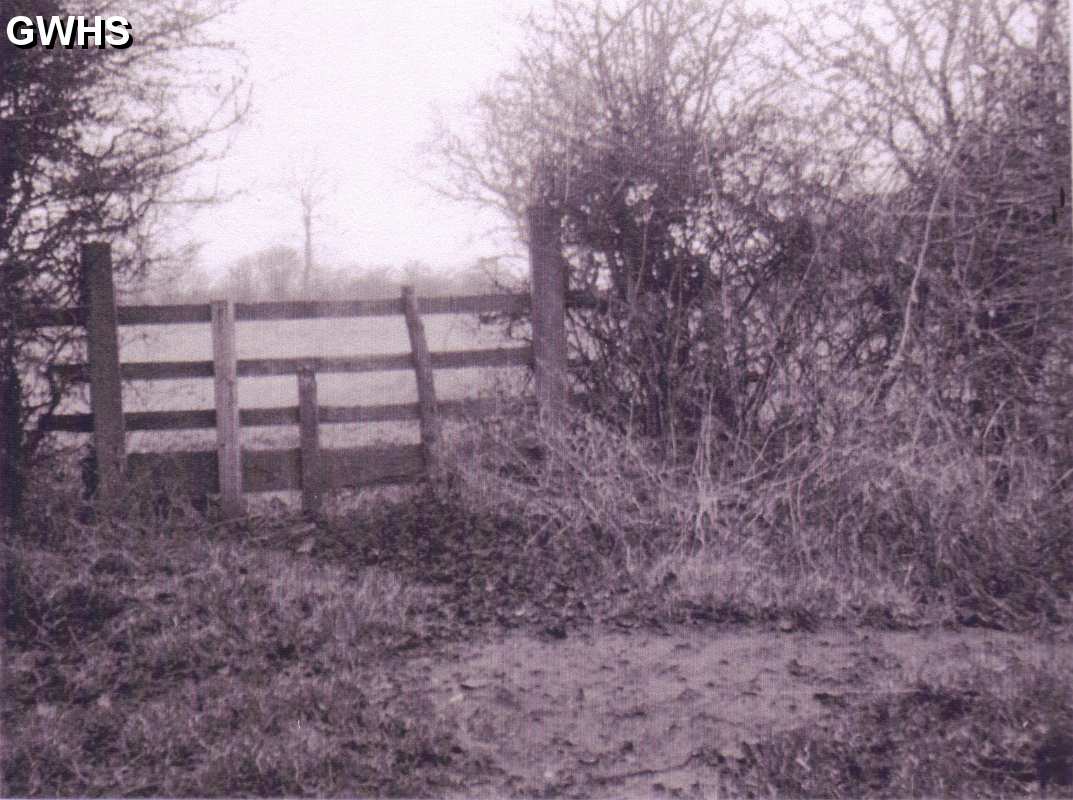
(105, 385)
(309, 436)
(426, 388)
(225, 371)
(548, 311)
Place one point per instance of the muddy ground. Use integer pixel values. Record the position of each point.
(602, 713)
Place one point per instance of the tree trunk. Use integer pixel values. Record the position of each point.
(307, 221)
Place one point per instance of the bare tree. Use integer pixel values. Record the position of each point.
(94, 142)
(968, 104)
(270, 274)
(312, 183)
(687, 202)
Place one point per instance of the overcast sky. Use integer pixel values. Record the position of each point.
(352, 84)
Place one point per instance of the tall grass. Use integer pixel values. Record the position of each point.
(893, 519)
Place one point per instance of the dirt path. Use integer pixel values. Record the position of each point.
(654, 714)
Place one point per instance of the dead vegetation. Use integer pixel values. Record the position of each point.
(864, 525)
(159, 654)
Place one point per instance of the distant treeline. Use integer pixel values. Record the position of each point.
(277, 274)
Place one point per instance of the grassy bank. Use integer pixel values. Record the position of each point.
(160, 654)
(195, 662)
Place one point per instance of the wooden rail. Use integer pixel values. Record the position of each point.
(231, 471)
(281, 470)
(287, 310)
(271, 417)
(270, 367)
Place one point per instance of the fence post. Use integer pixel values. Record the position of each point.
(426, 388)
(309, 435)
(106, 389)
(225, 371)
(548, 311)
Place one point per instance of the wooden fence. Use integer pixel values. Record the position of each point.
(230, 470)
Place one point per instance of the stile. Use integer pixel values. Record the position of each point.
(309, 437)
(228, 453)
(548, 311)
(426, 387)
(106, 389)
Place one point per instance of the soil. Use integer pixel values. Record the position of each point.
(602, 713)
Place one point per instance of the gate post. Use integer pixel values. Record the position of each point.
(105, 385)
(548, 311)
(426, 387)
(225, 372)
(312, 474)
